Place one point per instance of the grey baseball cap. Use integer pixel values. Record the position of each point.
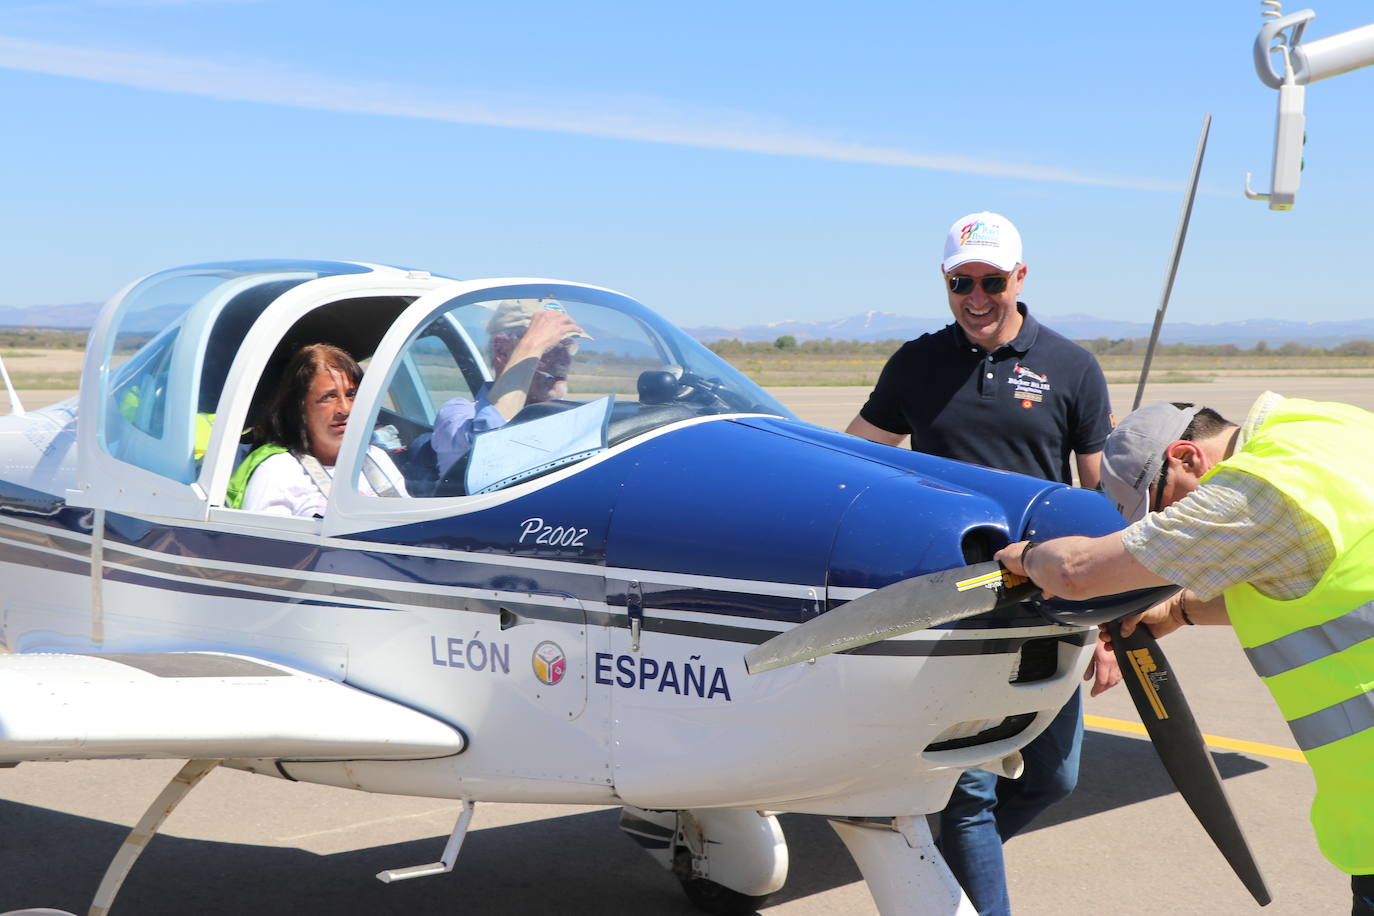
(1134, 454)
(512, 316)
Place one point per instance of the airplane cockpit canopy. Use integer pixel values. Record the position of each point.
(181, 362)
(167, 346)
(626, 374)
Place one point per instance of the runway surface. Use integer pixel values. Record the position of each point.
(1124, 843)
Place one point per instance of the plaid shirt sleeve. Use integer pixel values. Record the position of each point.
(1234, 528)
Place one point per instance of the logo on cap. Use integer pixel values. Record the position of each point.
(980, 232)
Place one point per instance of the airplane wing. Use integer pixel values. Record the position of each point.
(199, 705)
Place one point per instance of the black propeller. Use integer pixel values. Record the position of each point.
(1159, 700)
(967, 591)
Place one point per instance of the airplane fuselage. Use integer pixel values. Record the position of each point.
(570, 633)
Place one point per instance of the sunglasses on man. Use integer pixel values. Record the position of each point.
(1157, 504)
(992, 284)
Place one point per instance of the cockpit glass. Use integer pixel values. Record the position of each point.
(167, 352)
(578, 374)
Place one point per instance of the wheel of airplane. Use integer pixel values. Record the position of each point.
(710, 897)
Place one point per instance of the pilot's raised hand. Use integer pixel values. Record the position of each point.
(515, 383)
(548, 328)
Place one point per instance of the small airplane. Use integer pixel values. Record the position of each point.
(561, 616)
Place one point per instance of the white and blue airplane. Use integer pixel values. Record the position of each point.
(562, 617)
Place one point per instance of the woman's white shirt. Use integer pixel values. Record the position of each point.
(281, 485)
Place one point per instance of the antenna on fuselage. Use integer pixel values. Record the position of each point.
(1180, 234)
(16, 408)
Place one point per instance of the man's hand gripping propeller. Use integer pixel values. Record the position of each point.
(950, 595)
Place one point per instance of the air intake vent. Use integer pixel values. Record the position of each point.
(1011, 725)
(1038, 661)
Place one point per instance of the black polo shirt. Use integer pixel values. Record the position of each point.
(1023, 407)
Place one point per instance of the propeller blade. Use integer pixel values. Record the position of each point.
(1154, 687)
(967, 591)
(911, 604)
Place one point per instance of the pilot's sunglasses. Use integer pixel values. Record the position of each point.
(992, 284)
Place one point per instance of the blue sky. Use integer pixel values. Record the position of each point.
(726, 163)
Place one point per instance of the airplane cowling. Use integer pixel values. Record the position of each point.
(737, 500)
(909, 525)
(777, 512)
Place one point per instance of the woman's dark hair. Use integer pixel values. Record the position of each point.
(285, 420)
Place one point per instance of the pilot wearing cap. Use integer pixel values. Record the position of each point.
(530, 346)
(1269, 526)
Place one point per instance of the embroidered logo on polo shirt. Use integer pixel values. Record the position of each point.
(1030, 386)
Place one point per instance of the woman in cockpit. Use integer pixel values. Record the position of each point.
(291, 470)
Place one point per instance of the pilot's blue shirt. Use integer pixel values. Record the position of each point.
(458, 422)
(1023, 407)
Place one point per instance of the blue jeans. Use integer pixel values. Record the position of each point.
(986, 810)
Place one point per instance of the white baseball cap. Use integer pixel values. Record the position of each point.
(986, 237)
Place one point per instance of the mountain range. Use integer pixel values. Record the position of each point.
(67, 317)
(878, 325)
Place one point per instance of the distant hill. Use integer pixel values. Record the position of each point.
(875, 325)
(81, 315)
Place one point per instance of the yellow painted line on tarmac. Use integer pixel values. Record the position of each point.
(1225, 744)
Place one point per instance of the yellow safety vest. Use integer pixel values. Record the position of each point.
(205, 422)
(1316, 653)
(238, 481)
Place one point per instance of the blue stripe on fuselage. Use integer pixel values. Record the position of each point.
(755, 503)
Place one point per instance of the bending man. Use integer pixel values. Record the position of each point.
(1269, 527)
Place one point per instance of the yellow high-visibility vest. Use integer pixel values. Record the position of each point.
(1316, 653)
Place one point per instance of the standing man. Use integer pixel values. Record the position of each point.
(1269, 527)
(997, 388)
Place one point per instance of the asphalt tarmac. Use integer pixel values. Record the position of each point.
(1124, 843)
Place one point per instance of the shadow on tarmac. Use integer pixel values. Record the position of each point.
(1118, 770)
(577, 863)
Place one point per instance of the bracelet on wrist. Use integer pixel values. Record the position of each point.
(1184, 611)
(1025, 553)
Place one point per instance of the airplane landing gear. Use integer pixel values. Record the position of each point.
(727, 860)
(904, 871)
(708, 896)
